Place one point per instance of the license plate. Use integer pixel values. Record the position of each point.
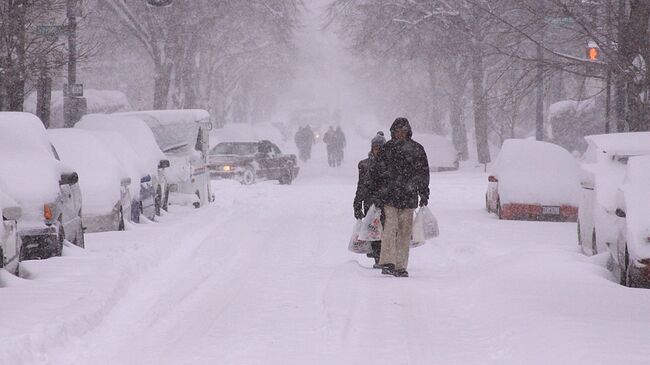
(551, 210)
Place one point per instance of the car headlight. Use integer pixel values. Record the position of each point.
(227, 168)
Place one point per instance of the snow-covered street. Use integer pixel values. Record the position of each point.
(263, 276)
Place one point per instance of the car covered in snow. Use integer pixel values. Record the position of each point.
(141, 140)
(249, 162)
(46, 189)
(441, 153)
(183, 136)
(601, 175)
(9, 241)
(141, 187)
(533, 180)
(105, 184)
(630, 255)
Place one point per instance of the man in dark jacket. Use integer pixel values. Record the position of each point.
(365, 196)
(400, 176)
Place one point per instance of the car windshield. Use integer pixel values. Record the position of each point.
(240, 149)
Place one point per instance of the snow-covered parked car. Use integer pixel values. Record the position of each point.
(533, 180)
(141, 187)
(142, 142)
(9, 240)
(601, 175)
(105, 184)
(630, 256)
(441, 153)
(46, 189)
(183, 136)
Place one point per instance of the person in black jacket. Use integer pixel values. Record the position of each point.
(399, 177)
(365, 197)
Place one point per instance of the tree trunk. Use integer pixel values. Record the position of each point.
(44, 94)
(480, 107)
(162, 82)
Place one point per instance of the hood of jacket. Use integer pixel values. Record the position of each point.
(400, 123)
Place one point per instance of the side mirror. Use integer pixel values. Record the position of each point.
(69, 179)
(493, 179)
(126, 181)
(163, 164)
(12, 213)
(620, 213)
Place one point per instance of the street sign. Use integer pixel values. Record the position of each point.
(51, 30)
(76, 91)
(159, 2)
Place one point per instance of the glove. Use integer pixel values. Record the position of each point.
(358, 214)
(424, 201)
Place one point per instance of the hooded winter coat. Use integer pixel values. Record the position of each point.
(401, 172)
(365, 196)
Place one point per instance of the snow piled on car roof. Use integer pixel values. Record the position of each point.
(27, 164)
(99, 170)
(133, 129)
(534, 172)
(636, 190)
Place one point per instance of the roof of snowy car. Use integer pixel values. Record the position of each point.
(622, 144)
(165, 117)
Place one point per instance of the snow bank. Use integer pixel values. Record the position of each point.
(27, 164)
(636, 190)
(534, 172)
(440, 151)
(134, 130)
(99, 171)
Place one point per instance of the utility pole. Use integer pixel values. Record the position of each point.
(74, 104)
(539, 110)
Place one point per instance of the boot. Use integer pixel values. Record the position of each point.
(401, 273)
(388, 269)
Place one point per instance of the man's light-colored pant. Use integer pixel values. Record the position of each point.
(396, 238)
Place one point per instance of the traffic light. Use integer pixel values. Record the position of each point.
(593, 53)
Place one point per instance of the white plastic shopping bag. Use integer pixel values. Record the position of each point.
(371, 228)
(356, 245)
(425, 227)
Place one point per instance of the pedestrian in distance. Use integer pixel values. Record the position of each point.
(365, 196)
(339, 146)
(399, 176)
(304, 140)
(330, 142)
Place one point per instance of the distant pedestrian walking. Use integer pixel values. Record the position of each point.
(330, 142)
(400, 176)
(304, 139)
(339, 146)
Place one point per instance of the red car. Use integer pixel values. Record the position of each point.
(533, 180)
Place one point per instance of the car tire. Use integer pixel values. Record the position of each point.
(579, 235)
(287, 177)
(499, 212)
(158, 201)
(594, 245)
(165, 202)
(248, 177)
(58, 250)
(197, 205)
(2, 259)
(120, 220)
(623, 268)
